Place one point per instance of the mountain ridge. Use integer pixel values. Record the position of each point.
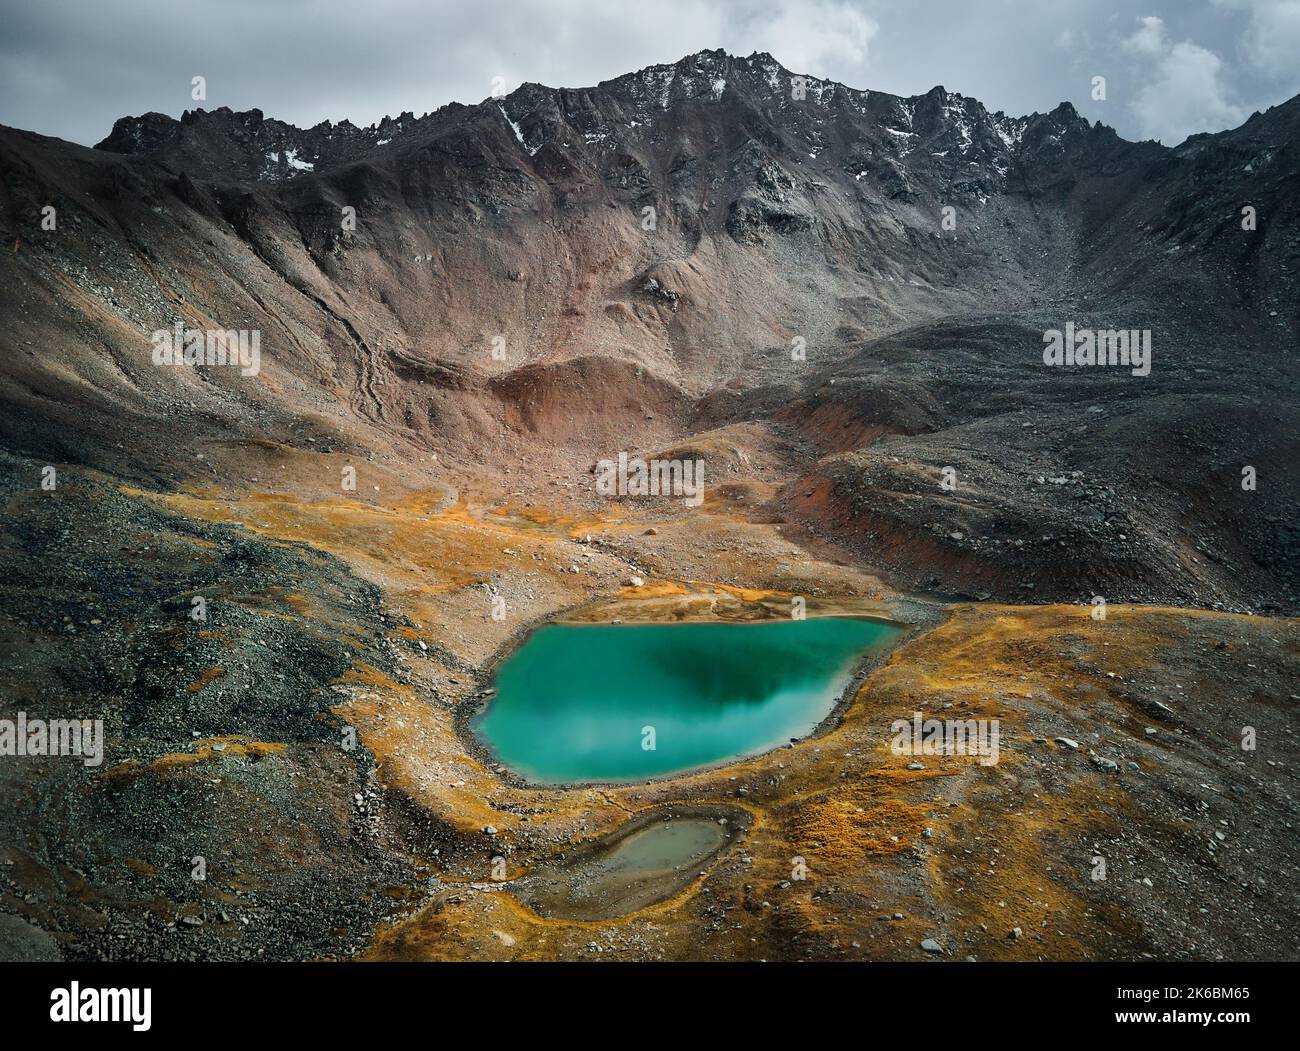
(149, 133)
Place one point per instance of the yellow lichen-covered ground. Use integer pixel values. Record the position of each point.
(991, 861)
(228, 746)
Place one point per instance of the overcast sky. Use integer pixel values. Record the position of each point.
(1172, 68)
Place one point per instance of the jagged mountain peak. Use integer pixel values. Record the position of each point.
(807, 117)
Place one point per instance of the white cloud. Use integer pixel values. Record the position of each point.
(1272, 38)
(1185, 92)
(810, 37)
(1149, 38)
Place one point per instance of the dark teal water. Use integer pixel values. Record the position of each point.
(574, 701)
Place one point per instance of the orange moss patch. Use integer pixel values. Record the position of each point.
(572, 526)
(744, 594)
(206, 750)
(845, 829)
(205, 679)
(661, 589)
(297, 601)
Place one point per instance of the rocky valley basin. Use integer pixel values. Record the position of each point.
(623, 702)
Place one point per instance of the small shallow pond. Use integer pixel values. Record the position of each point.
(651, 858)
(610, 702)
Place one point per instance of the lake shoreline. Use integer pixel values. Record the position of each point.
(661, 610)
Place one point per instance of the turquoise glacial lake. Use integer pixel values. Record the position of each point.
(626, 702)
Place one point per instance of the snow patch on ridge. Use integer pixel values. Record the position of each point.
(519, 133)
